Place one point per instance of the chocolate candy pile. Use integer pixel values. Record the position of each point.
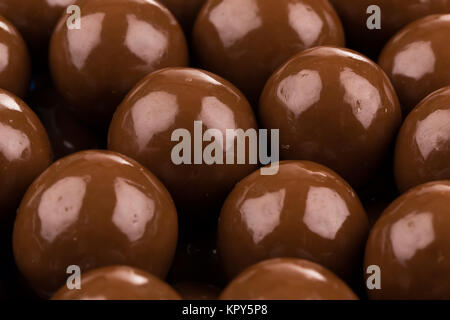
(231, 149)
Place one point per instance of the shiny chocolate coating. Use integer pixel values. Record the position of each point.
(197, 291)
(93, 209)
(118, 283)
(304, 211)
(335, 107)
(35, 19)
(245, 41)
(416, 59)
(287, 279)
(120, 42)
(395, 14)
(422, 152)
(411, 245)
(14, 60)
(185, 11)
(172, 99)
(25, 152)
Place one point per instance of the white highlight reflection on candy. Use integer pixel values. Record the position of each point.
(427, 137)
(415, 61)
(4, 57)
(13, 142)
(306, 22)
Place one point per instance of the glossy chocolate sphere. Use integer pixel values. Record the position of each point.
(185, 11)
(416, 59)
(422, 153)
(287, 279)
(14, 60)
(120, 42)
(35, 19)
(245, 41)
(93, 209)
(394, 15)
(118, 283)
(411, 245)
(172, 99)
(335, 107)
(25, 152)
(304, 211)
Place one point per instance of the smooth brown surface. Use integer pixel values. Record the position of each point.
(24, 152)
(411, 245)
(197, 291)
(120, 42)
(173, 99)
(93, 209)
(416, 59)
(305, 211)
(118, 283)
(245, 41)
(395, 14)
(35, 19)
(14, 60)
(422, 152)
(287, 279)
(335, 107)
(185, 11)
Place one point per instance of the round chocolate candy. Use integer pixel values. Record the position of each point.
(335, 107)
(169, 121)
(118, 283)
(93, 209)
(416, 59)
(245, 41)
(410, 245)
(14, 60)
(360, 19)
(35, 20)
(119, 42)
(422, 152)
(197, 291)
(25, 152)
(184, 11)
(287, 279)
(304, 211)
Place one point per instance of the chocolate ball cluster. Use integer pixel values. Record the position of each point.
(224, 149)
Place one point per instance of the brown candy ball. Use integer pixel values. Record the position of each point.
(394, 15)
(287, 279)
(118, 283)
(245, 41)
(305, 211)
(120, 42)
(185, 11)
(24, 152)
(35, 19)
(422, 153)
(416, 59)
(410, 244)
(14, 60)
(173, 99)
(93, 209)
(335, 107)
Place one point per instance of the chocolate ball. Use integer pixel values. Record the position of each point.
(197, 291)
(410, 244)
(14, 60)
(422, 152)
(35, 19)
(93, 209)
(394, 15)
(304, 211)
(416, 59)
(245, 41)
(119, 42)
(118, 283)
(147, 127)
(335, 107)
(184, 11)
(287, 279)
(25, 152)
